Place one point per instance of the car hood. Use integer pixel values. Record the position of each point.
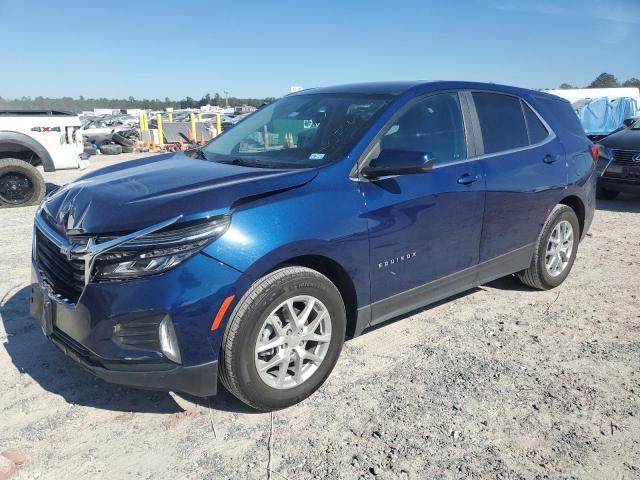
(134, 195)
(623, 140)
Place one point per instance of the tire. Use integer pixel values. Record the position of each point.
(538, 275)
(89, 150)
(127, 149)
(605, 194)
(238, 362)
(122, 140)
(21, 184)
(111, 149)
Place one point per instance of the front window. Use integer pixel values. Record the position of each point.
(298, 132)
(433, 125)
(636, 126)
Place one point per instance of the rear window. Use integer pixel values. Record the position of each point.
(537, 130)
(502, 122)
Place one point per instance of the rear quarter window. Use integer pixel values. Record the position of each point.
(502, 122)
(561, 114)
(537, 131)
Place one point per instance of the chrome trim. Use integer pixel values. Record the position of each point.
(605, 168)
(549, 138)
(355, 174)
(88, 252)
(207, 229)
(51, 233)
(93, 249)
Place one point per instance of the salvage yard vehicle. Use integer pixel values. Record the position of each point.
(324, 213)
(619, 165)
(32, 138)
(99, 131)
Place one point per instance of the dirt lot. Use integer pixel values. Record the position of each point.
(501, 382)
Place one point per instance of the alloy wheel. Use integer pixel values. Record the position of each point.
(292, 342)
(559, 248)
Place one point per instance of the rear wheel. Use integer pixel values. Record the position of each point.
(605, 194)
(555, 251)
(21, 184)
(283, 338)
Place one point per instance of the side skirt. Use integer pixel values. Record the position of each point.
(444, 287)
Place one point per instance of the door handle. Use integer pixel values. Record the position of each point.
(550, 159)
(467, 179)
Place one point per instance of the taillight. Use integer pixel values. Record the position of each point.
(595, 153)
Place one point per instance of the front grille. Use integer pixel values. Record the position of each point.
(625, 157)
(64, 277)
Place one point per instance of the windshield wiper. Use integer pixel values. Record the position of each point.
(197, 153)
(244, 163)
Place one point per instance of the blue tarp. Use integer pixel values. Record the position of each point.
(599, 116)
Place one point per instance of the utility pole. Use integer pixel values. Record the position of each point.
(226, 98)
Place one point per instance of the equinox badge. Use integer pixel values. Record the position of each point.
(401, 258)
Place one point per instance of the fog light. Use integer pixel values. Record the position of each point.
(168, 340)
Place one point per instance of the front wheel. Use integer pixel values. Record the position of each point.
(555, 250)
(283, 338)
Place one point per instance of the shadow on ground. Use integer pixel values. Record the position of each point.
(510, 282)
(34, 355)
(624, 203)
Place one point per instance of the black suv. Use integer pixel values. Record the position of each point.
(619, 163)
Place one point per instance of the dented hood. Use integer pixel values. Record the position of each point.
(134, 195)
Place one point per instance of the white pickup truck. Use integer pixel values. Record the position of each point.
(33, 138)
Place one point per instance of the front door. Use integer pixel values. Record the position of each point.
(423, 227)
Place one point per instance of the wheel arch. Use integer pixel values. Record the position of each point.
(577, 205)
(28, 143)
(338, 276)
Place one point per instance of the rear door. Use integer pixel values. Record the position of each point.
(423, 226)
(525, 168)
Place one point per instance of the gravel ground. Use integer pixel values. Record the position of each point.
(500, 382)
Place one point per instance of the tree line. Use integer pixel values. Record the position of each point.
(81, 103)
(604, 80)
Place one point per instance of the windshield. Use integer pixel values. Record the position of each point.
(636, 126)
(298, 132)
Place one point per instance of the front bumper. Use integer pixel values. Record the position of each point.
(90, 332)
(619, 185)
(618, 177)
(198, 380)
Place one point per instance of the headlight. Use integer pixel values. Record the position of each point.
(159, 251)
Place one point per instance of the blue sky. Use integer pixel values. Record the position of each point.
(158, 49)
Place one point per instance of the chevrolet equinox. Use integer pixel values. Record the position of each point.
(324, 213)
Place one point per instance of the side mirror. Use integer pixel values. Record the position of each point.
(398, 162)
(628, 122)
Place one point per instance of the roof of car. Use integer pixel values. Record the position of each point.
(388, 88)
(400, 87)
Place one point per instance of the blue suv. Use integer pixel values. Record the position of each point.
(320, 215)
